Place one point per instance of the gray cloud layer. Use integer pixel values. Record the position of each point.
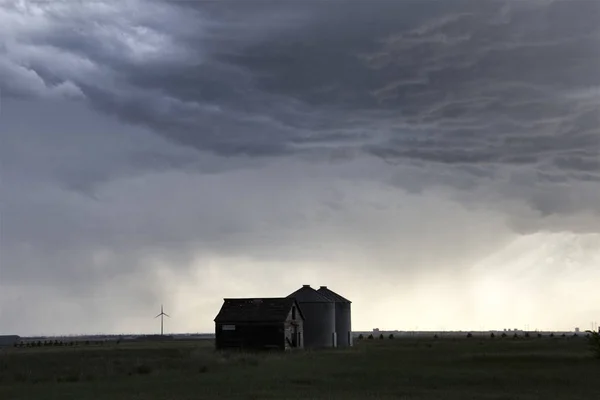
(140, 137)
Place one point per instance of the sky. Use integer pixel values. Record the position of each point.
(436, 162)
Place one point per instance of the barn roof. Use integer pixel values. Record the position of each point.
(330, 294)
(271, 309)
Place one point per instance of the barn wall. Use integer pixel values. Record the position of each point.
(250, 336)
(294, 334)
(294, 329)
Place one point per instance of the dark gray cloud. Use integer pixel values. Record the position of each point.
(186, 151)
(451, 82)
(489, 78)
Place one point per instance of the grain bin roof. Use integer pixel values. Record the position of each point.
(306, 294)
(330, 294)
(273, 309)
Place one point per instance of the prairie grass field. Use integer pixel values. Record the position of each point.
(403, 368)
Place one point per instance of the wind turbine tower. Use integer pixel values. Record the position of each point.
(162, 315)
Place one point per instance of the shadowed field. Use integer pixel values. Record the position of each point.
(448, 368)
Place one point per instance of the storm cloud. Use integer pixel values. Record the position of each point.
(406, 152)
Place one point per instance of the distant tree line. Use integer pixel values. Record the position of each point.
(371, 337)
(515, 335)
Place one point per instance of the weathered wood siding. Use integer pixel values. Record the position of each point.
(294, 330)
(249, 335)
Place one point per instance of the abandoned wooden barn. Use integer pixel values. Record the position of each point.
(266, 323)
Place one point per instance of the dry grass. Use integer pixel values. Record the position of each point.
(460, 368)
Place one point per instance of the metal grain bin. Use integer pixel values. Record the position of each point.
(343, 316)
(319, 314)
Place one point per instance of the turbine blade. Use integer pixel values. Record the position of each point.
(167, 315)
(158, 316)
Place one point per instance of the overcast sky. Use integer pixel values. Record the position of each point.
(436, 162)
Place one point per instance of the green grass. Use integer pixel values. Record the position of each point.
(458, 368)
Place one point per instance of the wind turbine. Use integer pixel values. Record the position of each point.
(162, 315)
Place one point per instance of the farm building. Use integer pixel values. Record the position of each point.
(319, 314)
(266, 323)
(343, 316)
(9, 340)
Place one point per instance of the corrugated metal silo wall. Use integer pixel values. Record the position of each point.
(343, 323)
(319, 324)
